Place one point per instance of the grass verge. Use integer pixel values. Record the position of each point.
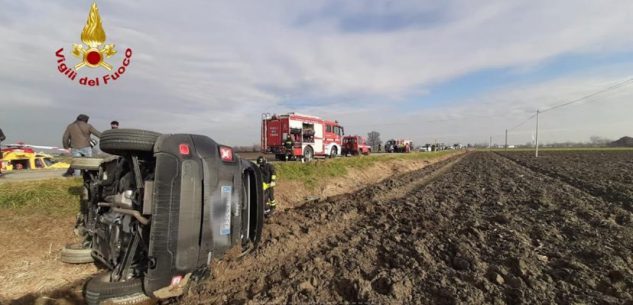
(53, 196)
(313, 173)
(61, 196)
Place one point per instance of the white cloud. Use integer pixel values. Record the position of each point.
(475, 119)
(213, 66)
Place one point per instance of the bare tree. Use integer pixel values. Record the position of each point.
(599, 141)
(373, 140)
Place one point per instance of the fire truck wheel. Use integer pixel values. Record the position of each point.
(334, 152)
(122, 141)
(308, 154)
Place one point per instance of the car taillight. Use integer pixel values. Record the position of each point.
(226, 154)
(176, 280)
(184, 149)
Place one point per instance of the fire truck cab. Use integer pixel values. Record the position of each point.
(311, 136)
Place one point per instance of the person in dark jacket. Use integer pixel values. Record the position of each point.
(77, 139)
(270, 177)
(2, 138)
(289, 145)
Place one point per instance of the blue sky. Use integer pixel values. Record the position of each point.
(455, 71)
(486, 80)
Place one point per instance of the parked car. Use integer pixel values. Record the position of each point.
(398, 146)
(158, 211)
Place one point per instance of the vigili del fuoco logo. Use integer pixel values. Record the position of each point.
(93, 53)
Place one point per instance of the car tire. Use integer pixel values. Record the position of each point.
(308, 154)
(99, 289)
(91, 164)
(76, 254)
(122, 141)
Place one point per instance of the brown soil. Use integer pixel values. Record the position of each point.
(603, 173)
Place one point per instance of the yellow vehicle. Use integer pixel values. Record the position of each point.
(23, 157)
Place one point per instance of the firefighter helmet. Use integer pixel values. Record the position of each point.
(261, 160)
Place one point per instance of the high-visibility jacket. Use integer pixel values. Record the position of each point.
(269, 175)
(289, 144)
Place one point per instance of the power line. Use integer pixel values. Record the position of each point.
(522, 122)
(586, 97)
(610, 88)
(613, 87)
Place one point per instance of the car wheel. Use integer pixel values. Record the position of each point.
(308, 154)
(91, 164)
(254, 213)
(76, 253)
(122, 141)
(99, 289)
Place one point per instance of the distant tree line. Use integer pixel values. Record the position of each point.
(594, 141)
(248, 148)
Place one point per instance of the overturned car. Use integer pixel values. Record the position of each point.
(160, 210)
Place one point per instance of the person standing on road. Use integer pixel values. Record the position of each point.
(269, 177)
(2, 138)
(114, 125)
(77, 139)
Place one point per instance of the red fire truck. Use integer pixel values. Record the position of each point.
(355, 145)
(311, 136)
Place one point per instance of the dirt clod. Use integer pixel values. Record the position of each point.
(306, 286)
(460, 263)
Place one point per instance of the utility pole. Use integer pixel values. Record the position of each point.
(490, 145)
(537, 112)
(506, 145)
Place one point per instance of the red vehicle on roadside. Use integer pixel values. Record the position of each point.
(355, 145)
(311, 136)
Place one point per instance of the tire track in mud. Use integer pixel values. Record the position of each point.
(299, 237)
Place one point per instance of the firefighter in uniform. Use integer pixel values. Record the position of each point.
(269, 178)
(289, 145)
